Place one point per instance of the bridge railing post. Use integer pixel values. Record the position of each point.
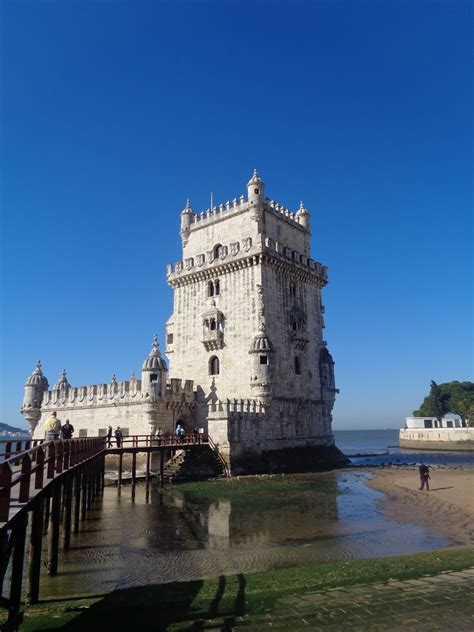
(39, 476)
(66, 454)
(59, 456)
(51, 460)
(25, 479)
(5, 491)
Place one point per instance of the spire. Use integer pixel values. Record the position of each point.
(154, 359)
(62, 382)
(302, 216)
(187, 209)
(255, 179)
(37, 376)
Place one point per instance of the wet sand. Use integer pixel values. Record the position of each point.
(448, 508)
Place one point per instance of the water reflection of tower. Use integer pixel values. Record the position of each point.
(218, 522)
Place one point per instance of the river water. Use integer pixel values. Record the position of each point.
(196, 531)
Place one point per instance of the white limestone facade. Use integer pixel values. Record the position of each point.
(247, 326)
(247, 359)
(138, 406)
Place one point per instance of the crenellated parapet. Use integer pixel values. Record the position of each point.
(240, 205)
(218, 213)
(241, 254)
(113, 393)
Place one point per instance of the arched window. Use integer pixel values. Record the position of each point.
(216, 250)
(213, 326)
(210, 288)
(297, 366)
(217, 287)
(214, 366)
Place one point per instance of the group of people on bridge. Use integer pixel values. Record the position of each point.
(55, 430)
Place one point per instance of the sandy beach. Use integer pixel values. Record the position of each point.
(448, 508)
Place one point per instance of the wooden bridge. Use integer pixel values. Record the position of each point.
(50, 486)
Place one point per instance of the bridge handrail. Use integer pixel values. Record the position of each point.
(50, 458)
(8, 445)
(169, 440)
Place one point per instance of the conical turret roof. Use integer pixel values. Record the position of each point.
(154, 360)
(37, 377)
(62, 382)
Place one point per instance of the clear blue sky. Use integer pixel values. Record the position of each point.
(113, 113)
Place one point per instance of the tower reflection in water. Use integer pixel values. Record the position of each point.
(193, 532)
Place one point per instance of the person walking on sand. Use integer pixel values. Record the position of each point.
(424, 476)
(109, 437)
(118, 437)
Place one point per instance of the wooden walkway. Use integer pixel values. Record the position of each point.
(50, 486)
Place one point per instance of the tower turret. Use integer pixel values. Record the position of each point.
(35, 386)
(187, 216)
(256, 191)
(154, 371)
(302, 217)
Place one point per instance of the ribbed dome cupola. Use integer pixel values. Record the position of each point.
(154, 360)
(37, 378)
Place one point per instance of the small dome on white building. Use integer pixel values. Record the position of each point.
(37, 378)
(154, 360)
(62, 382)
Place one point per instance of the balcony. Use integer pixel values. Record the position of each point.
(213, 339)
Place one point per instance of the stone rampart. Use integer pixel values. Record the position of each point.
(438, 439)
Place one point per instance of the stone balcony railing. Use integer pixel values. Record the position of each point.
(213, 339)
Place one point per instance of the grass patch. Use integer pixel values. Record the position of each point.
(180, 603)
(264, 488)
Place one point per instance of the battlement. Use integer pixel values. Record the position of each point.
(230, 253)
(114, 392)
(219, 213)
(240, 205)
(225, 408)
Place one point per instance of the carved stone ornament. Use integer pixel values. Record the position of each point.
(189, 263)
(234, 248)
(169, 269)
(90, 390)
(223, 250)
(210, 256)
(179, 267)
(247, 243)
(200, 260)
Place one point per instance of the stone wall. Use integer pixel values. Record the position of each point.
(438, 439)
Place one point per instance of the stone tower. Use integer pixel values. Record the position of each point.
(35, 386)
(247, 329)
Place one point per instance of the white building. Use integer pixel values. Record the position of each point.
(429, 433)
(247, 359)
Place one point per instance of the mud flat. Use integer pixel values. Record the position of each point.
(448, 507)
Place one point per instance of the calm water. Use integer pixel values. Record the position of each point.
(380, 447)
(225, 528)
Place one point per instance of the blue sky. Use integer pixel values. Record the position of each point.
(113, 113)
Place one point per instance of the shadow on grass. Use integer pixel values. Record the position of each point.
(158, 606)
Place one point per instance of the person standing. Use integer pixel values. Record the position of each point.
(179, 433)
(52, 427)
(159, 434)
(109, 437)
(118, 437)
(67, 431)
(424, 476)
